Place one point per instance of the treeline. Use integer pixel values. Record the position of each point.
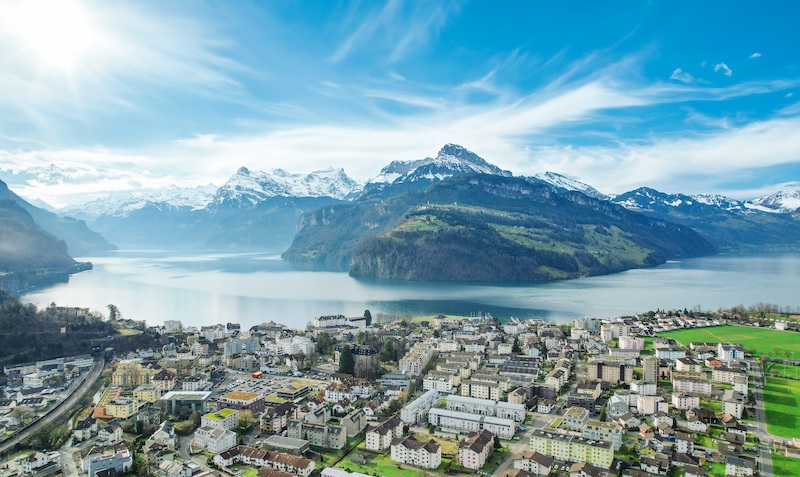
(29, 334)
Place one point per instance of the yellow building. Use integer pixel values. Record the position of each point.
(572, 448)
(147, 393)
(131, 373)
(122, 408)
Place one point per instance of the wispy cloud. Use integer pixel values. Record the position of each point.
(724, 68)
(682, 76)
(397, 28)
(755, 55)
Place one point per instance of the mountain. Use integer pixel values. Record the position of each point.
(247, 187)
(80, 240)
(403, 176)
(253, 210)
(561, 182)
(29, 255)
(123, 203)
(781, 202)
(490, 227)
(730, 224)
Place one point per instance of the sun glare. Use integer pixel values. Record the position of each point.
(57, 33)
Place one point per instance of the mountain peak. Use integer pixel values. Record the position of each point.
(562, 182)
(243, 171)
(257, 186)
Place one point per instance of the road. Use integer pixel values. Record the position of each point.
(57, 411)
(764, 454)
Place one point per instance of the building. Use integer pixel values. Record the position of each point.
(465, 423)
(604, 431)
(222, 419)
(392, 380)
(481, 389)
(354, 422)
(442, 382)
(147, 393)
(739, 467)
(41, 464)
(650, 369)
(572, 448)
(240, 400)
(609, 370)
(416, 411)
(323, 435)
(99, 459)
(417, 358)
(164, 435)
(474, 452)
(130, 373)
(286, 445)
(109, 435)
(195, 400)
(690, 385)
(727, 352)
(293, 464)
(486, 407)
(214, 440)
(534, 462)
(575, 418)
(293, 393)
(380, 437)
(684, 401)
(122, 408)
(407, 450)
(276, 417)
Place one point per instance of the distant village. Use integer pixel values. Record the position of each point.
(407, 397)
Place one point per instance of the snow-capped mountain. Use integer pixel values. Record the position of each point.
(122, 203)
(248, 187)
(781, 202)
(451, 160)
(562, 182)
(645, 199)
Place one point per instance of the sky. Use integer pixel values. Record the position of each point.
(691, 97)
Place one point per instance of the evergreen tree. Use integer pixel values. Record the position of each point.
(368, 316)
(347, 364)
(515, 348)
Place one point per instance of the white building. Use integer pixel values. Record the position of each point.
(685, 401)
(380, 437)
(407, 450)
(474, 452)
(465, 423)
(415, 411)
(214, 440)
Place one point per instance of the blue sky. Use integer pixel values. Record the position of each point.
(682, 96)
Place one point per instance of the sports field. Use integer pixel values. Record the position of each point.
(758, 341)
(782, 405)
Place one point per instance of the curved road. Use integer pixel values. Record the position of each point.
(58, 411)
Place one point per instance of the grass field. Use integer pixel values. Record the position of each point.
(782, 465)
(782, 406)
(758, 341)
(384, 466)
(783, 370)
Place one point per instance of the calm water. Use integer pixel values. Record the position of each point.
(201, 289)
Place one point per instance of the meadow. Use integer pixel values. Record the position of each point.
(782, 406)
(758, 341)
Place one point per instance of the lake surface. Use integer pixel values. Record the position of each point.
(202, 289)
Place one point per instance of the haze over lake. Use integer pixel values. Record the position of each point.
(202, 289)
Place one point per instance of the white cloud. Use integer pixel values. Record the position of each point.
(723, 67)
(398, 28)
(755, 55)
(682, 76)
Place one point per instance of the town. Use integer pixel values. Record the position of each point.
(665, 393)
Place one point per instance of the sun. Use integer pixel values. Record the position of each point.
(56, 33)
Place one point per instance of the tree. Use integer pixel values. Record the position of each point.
(515, 348)
(113, 313)
(347, 363)
(368, 316)
(246, 418)
(437, 333)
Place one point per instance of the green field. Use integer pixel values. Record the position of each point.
(758, 341)
(782, 406)
(384, 466)
(782, 370)
(785, 466)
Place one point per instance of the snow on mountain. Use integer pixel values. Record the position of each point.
(565, 183)
(251, 187)
(122, 203)
(725, 203)
(451, 160)
(781, 202)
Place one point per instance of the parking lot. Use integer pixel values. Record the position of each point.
(268, 384)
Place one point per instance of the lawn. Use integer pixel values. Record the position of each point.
(782, 465)
(715, 469)
(758, 341)
(384, 466)
(782, 406)
(128, 332)
(448, 447)
(247, 470)
(783, 370)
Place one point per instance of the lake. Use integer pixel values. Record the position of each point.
(208, 288)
